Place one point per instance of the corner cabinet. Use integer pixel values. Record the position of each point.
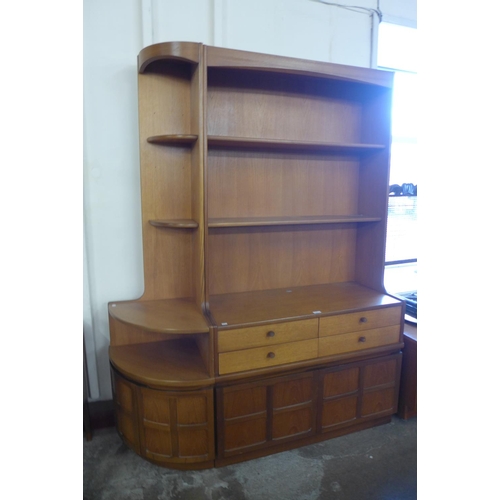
(264, 323)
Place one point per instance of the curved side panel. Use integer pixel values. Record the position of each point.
(173, 429)
(180, 51)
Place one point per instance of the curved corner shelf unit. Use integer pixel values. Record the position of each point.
(264, 323)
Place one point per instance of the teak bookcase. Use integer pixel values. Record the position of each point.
(264, 323)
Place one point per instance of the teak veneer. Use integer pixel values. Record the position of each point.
(264, 322)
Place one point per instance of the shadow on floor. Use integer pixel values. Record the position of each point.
(375, 464)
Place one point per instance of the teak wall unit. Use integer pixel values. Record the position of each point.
(264, 323)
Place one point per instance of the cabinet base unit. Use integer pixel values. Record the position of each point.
(264, 324)
(194, 429)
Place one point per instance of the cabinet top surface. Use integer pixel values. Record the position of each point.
(191, 53)
(251, 308)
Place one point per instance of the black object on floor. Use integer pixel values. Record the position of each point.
(411, 303)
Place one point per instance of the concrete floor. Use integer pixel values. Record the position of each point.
(375, 464)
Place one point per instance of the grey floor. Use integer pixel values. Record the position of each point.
(375, 464)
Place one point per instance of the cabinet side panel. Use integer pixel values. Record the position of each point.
(371, 237)
(374, 189)
(198, 82)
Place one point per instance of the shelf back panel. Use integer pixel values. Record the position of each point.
(259, 184)
(250, 259)
(165, 100)
(278, 106)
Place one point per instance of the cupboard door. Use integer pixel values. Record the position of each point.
(258, 415)
(340, 397)
(359, 391)
(293, 407)
(177, 427)
(156, 425)
(381, 387)
(242, 418)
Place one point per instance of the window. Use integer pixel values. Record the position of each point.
(397, 52)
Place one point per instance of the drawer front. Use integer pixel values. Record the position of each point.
(264, 357)
(276, 333)
(357, 341)
(359, 321)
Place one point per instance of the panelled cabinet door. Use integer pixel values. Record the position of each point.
(340, 397)
(258, 415)
(359, 391)
(380, 388)
(175, 427)
(244, 416)
(293, 408)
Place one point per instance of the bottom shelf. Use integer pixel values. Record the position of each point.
(165, 364)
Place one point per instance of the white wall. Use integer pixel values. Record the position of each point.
(114, 33)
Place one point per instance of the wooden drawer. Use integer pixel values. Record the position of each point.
(263, 357)
(275, 333)
(359, 321)
(356, 341)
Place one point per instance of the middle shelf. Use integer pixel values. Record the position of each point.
(265, 221)
(289, 221)
(217, 141)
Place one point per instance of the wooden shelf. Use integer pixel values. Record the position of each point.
(169, 363)
(172, 316)
(289, 145)
(173, 139)
(228, 142)
(175, 223)
(289, 221)
(284, 304)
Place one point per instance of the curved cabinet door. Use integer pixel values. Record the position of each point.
(176, 427)
(170, 428)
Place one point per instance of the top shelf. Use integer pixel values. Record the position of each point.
(227, 142)
(191, 53)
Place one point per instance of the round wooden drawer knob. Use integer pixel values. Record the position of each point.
(362, 339)
(270, 334)
(363, 320)
(271, 355)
